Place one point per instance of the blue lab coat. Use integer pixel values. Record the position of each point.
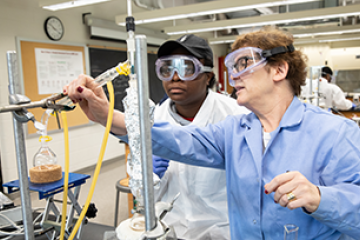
(321, 146)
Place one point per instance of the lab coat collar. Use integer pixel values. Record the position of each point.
(248, 119)
(292, 117)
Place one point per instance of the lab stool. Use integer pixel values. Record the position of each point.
(122, 186)
(48, 190)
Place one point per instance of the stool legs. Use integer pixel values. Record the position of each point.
(116, 207)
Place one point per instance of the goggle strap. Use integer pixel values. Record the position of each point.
(277, 50)
(206, 69)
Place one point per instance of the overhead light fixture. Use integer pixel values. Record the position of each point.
(299, 34)
(221, 42)
(340, 39)
(324, 39)
(325, 33)
(201, 9)
(55, 5)
(283, 18)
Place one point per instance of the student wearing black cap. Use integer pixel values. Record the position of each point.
(185, 67)
(333, 95)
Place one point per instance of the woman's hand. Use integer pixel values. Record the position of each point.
(90, 97)
(294, 185)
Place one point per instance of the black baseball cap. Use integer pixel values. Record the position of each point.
(197, 46)
(327, 70)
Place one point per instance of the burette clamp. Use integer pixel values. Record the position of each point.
(130, 23)
(123, 69)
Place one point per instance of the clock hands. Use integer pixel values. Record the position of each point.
(56, 30)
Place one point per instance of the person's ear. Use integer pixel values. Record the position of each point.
(281, 71)
(209, 76)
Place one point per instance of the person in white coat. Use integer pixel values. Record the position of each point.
(200, 212)
(332, 94)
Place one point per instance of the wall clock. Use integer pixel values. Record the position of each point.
(54, 28)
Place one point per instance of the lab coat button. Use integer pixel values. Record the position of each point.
(257, 179)
(254, 221)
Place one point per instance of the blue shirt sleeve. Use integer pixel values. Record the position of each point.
(200, 146)
(340, 192)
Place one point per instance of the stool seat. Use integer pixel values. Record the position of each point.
(123, 185)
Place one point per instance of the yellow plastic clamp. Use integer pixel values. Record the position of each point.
(47, 138)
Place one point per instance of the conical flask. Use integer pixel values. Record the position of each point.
(45, 167)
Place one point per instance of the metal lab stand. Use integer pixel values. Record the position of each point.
(20, 152)
(145, 129)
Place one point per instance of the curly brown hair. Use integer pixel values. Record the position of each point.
(271, 37)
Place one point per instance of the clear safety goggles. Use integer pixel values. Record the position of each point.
(248, 59)
(187, 67)
(324, 73)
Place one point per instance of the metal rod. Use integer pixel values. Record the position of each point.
(21, 155)
(310, 93)
(12, 108)
(225, 83)
(145, 128)
(317, 87)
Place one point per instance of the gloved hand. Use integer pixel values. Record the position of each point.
(353, 106)
(160, 165)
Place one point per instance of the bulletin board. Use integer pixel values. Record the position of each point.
(30, 82)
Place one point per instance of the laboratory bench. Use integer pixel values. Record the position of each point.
(349, 113)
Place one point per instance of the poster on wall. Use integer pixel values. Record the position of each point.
(56, 68)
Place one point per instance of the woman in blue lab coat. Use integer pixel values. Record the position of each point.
(280, 166)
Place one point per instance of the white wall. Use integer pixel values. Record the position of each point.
(26, 21)
(345, 58)
(317, 55)
(337, 58)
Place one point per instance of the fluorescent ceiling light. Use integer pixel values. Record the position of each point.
(324, 39)
(201, 9)
(221, 42)
(340, 39)
(325, 33)
(283, 18)
(300, 34)
(59, 5)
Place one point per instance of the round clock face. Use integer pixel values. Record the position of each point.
(54, 28)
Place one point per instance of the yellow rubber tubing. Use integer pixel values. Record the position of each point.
(66, 175)
(101, 156)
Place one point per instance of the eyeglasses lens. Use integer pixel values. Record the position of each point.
(244, 60)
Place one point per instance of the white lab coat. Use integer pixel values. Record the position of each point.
(330, 95)
(201, 211)
(333, 96)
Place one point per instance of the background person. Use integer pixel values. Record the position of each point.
(280, 167)
(333, 95)
(201, 211)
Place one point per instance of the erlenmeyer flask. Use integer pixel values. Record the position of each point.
(290, 232)
(45, 168)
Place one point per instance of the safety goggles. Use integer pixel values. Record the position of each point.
(324, 73)
(187, 67)
(248, 59)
